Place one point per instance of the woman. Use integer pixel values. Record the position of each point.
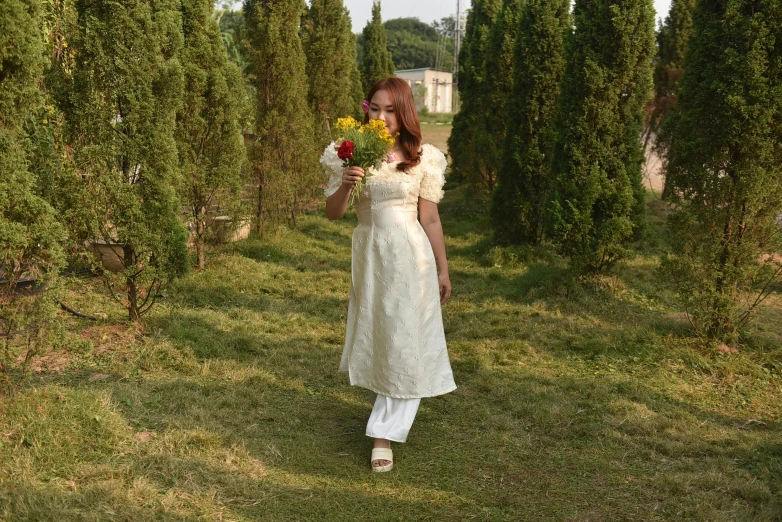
(394, 343)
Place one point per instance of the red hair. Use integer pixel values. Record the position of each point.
(409, 138)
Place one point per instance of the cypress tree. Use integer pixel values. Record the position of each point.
(377, 62)
(472, 76)
(56, 180)
(524, 178)
(209, 139)
(356, 81)
(599, 202)
(30, 236)
(126, 90)
(494, 98)
(669, 67)
(335, 87)
(283, 151)
(725, 165)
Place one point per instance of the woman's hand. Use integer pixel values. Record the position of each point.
(337, 203)
(445, 287)
(351, 176)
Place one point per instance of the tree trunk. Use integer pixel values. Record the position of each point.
(293, 210)
(132, 289)
(719, 322)
(133, 314)
(200, 240)
(328, 129)
(666, 191)
(259, 211)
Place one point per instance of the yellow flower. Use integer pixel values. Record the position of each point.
(374, 126)
(386, 137)
(347, 123)
(378, 127)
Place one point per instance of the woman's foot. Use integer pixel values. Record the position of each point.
(381, 463)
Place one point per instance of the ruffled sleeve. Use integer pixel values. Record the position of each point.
(333, 166)
(433, 165)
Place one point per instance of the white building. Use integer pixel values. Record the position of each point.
(431, 89)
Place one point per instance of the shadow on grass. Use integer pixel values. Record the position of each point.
(27, 502)
(315, 260)
(212, 472)
(214, 338)
(223, 296)
(620, 431)
(308, 446)
(552, 288)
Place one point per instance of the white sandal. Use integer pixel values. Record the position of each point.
(382, 454)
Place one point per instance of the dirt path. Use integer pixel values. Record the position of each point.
(653, 173)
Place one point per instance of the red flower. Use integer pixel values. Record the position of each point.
(345, 151)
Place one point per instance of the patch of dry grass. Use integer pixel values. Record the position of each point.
(436, 134)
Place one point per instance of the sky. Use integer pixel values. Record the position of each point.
(429, 10)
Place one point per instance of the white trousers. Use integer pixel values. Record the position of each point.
(392, 418)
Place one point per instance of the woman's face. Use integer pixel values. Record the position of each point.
(381, 108)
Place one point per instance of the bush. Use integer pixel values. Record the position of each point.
(725, 166)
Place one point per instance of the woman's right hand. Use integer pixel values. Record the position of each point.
(351, 176)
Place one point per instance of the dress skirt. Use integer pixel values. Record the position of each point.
(394, 339)
(394, 342)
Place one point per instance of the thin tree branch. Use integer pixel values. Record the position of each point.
(77, 313)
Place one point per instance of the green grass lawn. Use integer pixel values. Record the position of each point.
(575, 402)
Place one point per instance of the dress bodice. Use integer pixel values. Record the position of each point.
(389, 198)
(387, 188)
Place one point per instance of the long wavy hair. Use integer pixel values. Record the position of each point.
(409, 137)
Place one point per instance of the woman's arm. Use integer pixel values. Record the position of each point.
(337, 203)
(430, 221)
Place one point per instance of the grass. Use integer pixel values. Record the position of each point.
(436, 134)
(436, 117)
(575, 402)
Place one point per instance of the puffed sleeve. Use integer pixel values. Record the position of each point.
(433, 165)
(333, 166)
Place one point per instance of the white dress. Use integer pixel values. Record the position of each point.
(394, 341)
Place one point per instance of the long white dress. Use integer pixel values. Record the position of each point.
(394, 340)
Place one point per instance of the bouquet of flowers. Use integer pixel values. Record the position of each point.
(365, 146)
